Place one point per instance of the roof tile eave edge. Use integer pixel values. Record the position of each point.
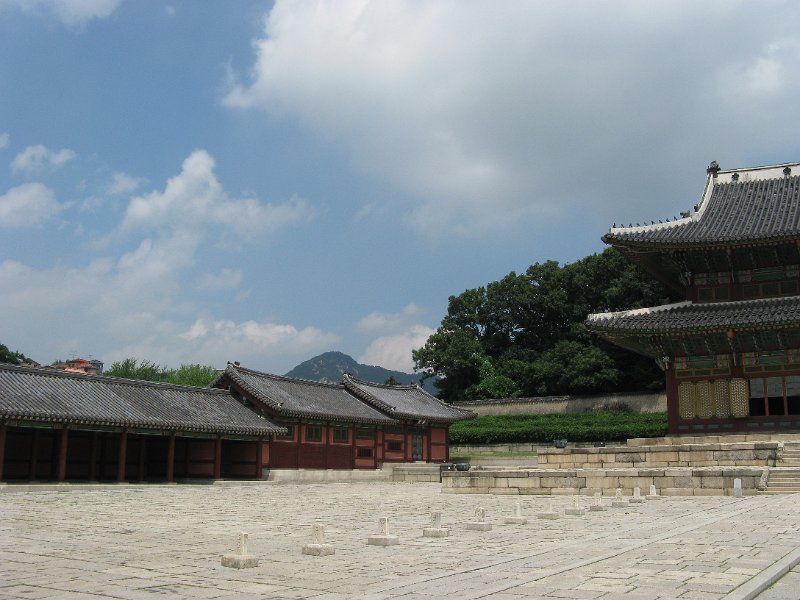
(172, 426)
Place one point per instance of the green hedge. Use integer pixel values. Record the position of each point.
(580, 427)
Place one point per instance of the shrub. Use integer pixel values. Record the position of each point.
(581, 427)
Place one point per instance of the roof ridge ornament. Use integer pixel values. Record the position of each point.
(713, 169)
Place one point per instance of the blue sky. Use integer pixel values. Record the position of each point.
(211, 181)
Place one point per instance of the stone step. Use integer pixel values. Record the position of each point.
(781, 491)
(783, 485)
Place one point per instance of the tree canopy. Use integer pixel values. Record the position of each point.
(524, 335)
(190, 374)
(9, 356)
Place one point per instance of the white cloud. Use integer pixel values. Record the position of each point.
(37, 159)
(226, 279)
(394, 351)
(27, 205)
(494, 117)
(5, 140)
(398, 334)
(383, 322)
(195, 198)
(254, 340)
(122, 183)
(136, 304)
(70, 12)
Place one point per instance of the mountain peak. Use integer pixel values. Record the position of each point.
(329, 367)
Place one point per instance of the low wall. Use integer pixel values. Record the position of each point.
(727, 438)
(675, 455)
(413, 472)
(702, 481)
(545, 405)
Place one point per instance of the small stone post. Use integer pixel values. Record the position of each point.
(516, 518)
(549, 513)
(479, 524)
(240, 558)
(318, 547)
(576, 509)
(653, 495)
(383, 538)
(436, 530)
(619, 501)
(598, 502)
(737, 488)
(637, 496)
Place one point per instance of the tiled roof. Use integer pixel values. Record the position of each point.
(738, 206)
(695, 318)
(406, 401)
(58, 397)
(301, 398)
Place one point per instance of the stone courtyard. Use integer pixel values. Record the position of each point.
(148, 541)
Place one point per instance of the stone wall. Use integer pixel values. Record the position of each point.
(701, 481)
(674, 455)
(637, 402)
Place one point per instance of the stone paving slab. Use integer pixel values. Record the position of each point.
(149, 541)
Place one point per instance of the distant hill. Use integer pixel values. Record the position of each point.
(330, 366)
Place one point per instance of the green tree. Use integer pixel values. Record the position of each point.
(13, 357)
(131, 368)
(193, 374)
(524, 334)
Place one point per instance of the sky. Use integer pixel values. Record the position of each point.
(197, 182)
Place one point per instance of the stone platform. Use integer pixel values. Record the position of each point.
(165, 541)
(700, 481)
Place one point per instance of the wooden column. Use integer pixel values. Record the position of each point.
(93, 458)
(63, 444)
(218, 458)
(328, 431)
(171, 458)
(2, 448)
(447, 444)
(259, 457)
(34, 455)
(429, 458)
(142, 456)
(672, 400)
(122, 456)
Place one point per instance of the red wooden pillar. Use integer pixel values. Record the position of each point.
(2, 448)
(142, 456)
(61, 472)
(259, 458)
(93, 458)
(34, 455)
(218, 458)
(447, 444)
(122, 455)
(429, 431)
(354, 453)
(327, 429)
(171, 458)
(672, 400)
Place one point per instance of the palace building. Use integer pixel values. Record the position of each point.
(62, 426)
(731, 350)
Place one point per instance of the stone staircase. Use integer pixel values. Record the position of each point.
(786, 478)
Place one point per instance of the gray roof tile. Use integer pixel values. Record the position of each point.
(54, 396)
(737, 211)
(406, 401)
(691, 318)
(301, 398)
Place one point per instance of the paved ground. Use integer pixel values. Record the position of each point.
(150, 541)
